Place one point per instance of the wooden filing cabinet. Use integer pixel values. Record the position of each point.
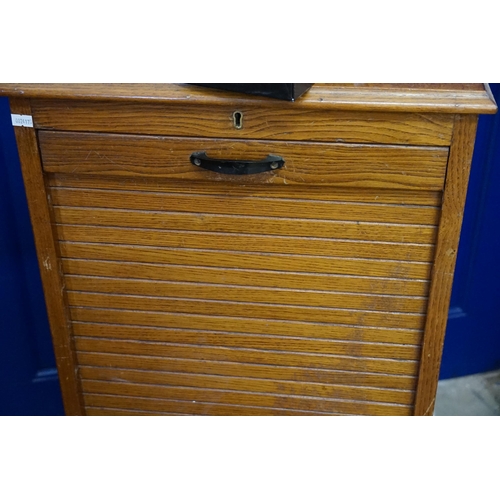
(318, 286)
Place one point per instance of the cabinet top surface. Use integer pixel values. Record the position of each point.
(401, 97)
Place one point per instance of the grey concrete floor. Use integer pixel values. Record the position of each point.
(474, 395)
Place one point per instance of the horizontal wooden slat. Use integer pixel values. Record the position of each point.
(250, 243)
(97, 411)
(246, 385)
(399, 233)
(243, 205)
(297, 191)
(260, 122)
(256, 326)
(246, 260)
(243, 398)
(189, 407)
(245, 294)
(265, 371)
(344, 165)
(330, 362)
(249, 341)
(247, 311)
(248, 325)
(195, 274)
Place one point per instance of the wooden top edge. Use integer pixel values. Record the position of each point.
(431, 98)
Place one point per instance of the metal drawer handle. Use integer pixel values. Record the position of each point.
(236, 167)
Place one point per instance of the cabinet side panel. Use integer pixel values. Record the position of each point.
(444, 265)
(50, 267)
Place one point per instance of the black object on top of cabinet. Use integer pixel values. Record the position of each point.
(284, 91)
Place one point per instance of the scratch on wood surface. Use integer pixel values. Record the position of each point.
(46, 264)
(100, 156)
(427, 118)
(431, 405)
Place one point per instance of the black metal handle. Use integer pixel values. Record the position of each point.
(237, 167)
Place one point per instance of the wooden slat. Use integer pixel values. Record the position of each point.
(196, 274)
(446, 254)
(310, 192)
(245, 398)
(247, 310)
(249, 341)
(240, 205)
(250, 243)
(259, 122)
(97, 411)
(241, 325)
(323, 361)
(189, 407)
(223, 368)
(399, 233)
(256, 326)
(246, 294)
(344, 165)
(246, 260)
(244, 384)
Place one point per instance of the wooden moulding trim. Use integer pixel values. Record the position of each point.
(446, 251)
(439, 98)
(48, 260)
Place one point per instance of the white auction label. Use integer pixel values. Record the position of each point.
(22, 120)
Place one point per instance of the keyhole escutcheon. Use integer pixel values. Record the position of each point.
(238, 119)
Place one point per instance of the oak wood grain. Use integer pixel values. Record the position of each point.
(249, 261)
(444, 265)
(258, 122)
(289, 226)
(265, 295)
(429, 98)
(98, 411)
(245, 398)
(407, 167)
(296, 192)
(274, 341)
(251, 370)
(240, 383)
(247, 310)
(327, 247)
(48, 260)
(247, 355)
(283, 280)
(188, 407)
(123, 323)
(224, 204)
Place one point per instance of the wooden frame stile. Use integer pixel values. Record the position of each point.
(48, 259)
(457, 178)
